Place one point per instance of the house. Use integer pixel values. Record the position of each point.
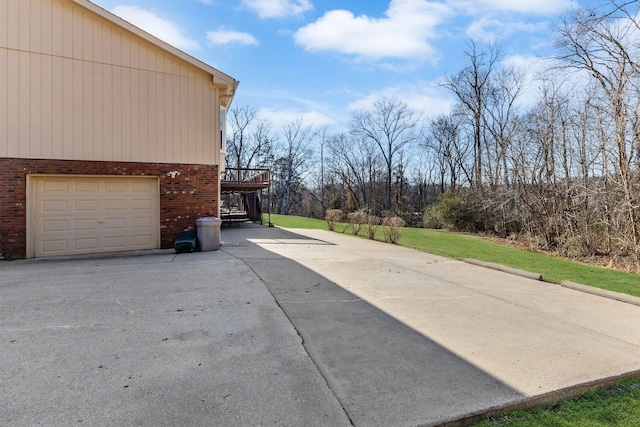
(110, 139)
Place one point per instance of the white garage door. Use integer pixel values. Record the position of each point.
(79, 215)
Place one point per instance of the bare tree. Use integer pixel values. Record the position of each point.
(392, 127)
(355, 162)
(502, 116)
(471, 86)
(450, 151)
(294, 161)
(602, 44)
(251, 140)
(322, 137)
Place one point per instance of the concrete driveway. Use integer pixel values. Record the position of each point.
(304, 328)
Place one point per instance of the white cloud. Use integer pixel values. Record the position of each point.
(404, 32)
(546, 69)
(492, 29)
(163, 29)
(532, 64)
(224, 36)
(533, 67)
(536, 7)
(309, 118)
(541, 7)
(278, 8)
(420, 97)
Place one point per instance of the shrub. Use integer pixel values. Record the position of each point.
(391, 228)
(356, 219)
(452, 211)
(407, 213)
(333, 216)
(372, 226)
(430, 218)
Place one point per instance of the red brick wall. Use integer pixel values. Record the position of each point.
(191, 195)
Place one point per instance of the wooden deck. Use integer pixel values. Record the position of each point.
(243, 182)
(236, 180)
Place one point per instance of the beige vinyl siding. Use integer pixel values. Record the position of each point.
(4, 92)
(74, 85)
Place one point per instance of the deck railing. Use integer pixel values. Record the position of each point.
(246, 176)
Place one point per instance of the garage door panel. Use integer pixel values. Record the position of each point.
(141, 241)
(116, 186)
(55, 245)
(55, 206)
(55, 185)
(115, 205)
(113, 218)
(116, 243)
(141, 222)
(142, 187)
(88, 185)
(55, 225)
(141, 204)
(116, 224)
(86, 205)
(86, 224)
(87, 243)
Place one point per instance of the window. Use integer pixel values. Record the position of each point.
(223, 129)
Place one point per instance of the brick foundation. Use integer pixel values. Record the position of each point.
(191, 195)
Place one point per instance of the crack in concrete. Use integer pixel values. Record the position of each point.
(320, 369)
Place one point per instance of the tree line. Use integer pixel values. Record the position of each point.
(554, 161)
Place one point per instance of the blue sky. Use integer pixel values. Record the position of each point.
(320, 60)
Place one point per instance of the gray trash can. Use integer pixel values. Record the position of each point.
(209, 233)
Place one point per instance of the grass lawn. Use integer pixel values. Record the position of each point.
(459, 246)
(617, 405)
